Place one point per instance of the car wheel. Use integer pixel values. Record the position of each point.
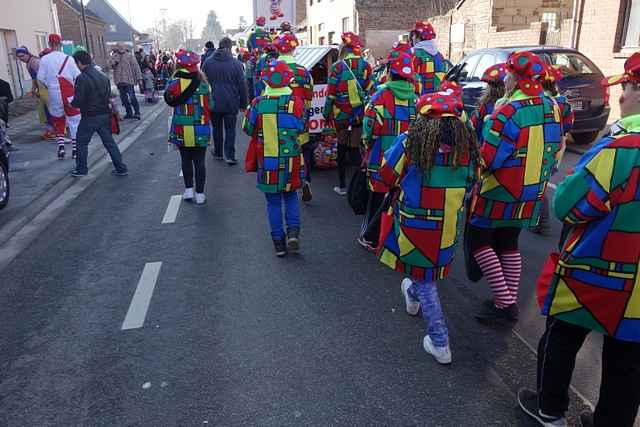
(4, 185)
(584, 138)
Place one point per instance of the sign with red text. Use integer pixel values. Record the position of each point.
(316, 119)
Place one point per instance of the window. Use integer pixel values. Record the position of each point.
(331, 36)
(93, 47)
(571, 64)
(320, 27)
(550, 18)
(469, 65)
(485, 62)
(631, 24)
(321, 40)
(345, 25)
(41, 42)
(112, 28)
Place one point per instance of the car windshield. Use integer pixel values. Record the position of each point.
(571, 64)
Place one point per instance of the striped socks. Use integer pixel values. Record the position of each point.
(492, 270)
(512, 268)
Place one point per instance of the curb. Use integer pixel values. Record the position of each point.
(18, 233)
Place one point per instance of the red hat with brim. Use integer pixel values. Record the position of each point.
(529, 69)
(631, 72)
(440, 104)
(495, 74)
(55, 38)
(352, 42)
(188, 60)
(425, 30)
(401, 64)
(286, 43)
(261, 20)
(277, 74)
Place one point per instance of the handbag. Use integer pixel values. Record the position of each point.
(251, 158)
(546, 277)
(358, 193)
(474, 273)
(115, 123)
(67, 90)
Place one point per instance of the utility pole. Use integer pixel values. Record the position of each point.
(84, 24)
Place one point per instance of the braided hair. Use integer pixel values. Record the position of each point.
(492, 93)
(427, 133)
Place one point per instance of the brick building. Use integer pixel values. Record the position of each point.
(71, 28)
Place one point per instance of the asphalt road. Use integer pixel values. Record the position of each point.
(234, 335)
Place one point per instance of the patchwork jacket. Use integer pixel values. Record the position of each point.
(190, 126)
(430, 69)
(349, 82)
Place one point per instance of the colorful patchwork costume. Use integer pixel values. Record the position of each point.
(429, 64)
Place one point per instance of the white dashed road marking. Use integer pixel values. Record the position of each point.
(142, 297)
(172, 210)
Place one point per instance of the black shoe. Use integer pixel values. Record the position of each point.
(127, 116)
(293, 239)
(76, 174)
(490, 314)
(586, 419)
(231, 162)
(136, 116)
(281, 247)
(528, 401)
(74, 154)
(60, 152)
(306, 192)
(119, 173)
(215, 156)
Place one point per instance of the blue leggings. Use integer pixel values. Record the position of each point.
(274, 211)
(427, 294)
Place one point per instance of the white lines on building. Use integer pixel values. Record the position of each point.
(172, 210)
(142, 297)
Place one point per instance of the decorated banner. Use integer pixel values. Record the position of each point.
(275, 11)
(316, 120)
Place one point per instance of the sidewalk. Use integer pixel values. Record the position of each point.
(35, 170)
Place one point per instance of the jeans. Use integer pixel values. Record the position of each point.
(102, 125)
(291, 212)
(193, 158)
(620, 382)
(348, 142)
(307, 153)
(427, 293)
(228, 120)
(128, 98)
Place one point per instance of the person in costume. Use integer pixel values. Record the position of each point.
(595, 285)
(276, 121)
(349, 82)
(380, 73)
(520, 142)
(302, 87)
(268, 53)
(388, 114)
(188, 93)
(431, 167)
(33, 65)
(494, 78)
(428, 62)
(58, 72)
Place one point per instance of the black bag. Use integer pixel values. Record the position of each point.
(474, 273)
(358, 193)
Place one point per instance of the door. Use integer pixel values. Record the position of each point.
(8, 44)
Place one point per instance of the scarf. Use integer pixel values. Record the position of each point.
(428, 46)
(401, 89)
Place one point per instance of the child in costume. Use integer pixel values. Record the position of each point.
(275, 121)
(381, 72)
(302, 87)
(188, 93)
(428, 62)
(268, 53)
(347, 88)
(389, 113)
(494, 78)
(521, 140)
(433, 166)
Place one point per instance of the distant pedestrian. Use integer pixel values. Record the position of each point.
(126, 73)
(350, 81)
(92, 97)
(431, 168)
(429, 63)
(595, 284)
(188, 93)
(149, 77)
(226, 77)
(275, 122)
(58, 72)
(209, 50)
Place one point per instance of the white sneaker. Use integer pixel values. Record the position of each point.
(441, 354)
(340, 191)
(200, 198)
(413, 307)
(188, 194)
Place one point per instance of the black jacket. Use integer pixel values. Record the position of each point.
(93, 90)
(226, 77)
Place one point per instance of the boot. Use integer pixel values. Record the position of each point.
(280, 247)
(293, 239)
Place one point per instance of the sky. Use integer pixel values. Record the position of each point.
(145, 12)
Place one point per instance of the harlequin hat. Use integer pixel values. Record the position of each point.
(440, 104)
(451, 87)
(286, 43)
(277, 74)
(401, 64)
(528, 69)
(552, 74)
(631, 72)
(425, 30)
(352, 42)
(55, 38)
(402, 46)
(187, 59)
(285, 26)
(495, 74)
(260, 21)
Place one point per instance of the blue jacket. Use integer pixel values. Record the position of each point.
(206, 55)
(226, 77)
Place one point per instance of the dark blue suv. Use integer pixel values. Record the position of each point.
(581, 84)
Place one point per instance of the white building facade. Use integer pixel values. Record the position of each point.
(328, 19)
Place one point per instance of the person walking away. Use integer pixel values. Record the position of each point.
(188, 93)
(567, 116)
(301, 87)
(126, 72)
(428, 62)
(349, 81)
(596, 285)
(276, 120)
(380, 74)
(149, 77)
(388, 114)
(209, 50)
(494, 78)
(431, 167)
(268, 53)
(58, 73)
(521, 140)
(226, 76)
(92, 97)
